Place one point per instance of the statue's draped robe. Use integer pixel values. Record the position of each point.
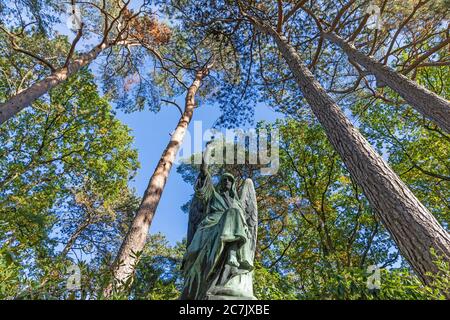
(224, 224)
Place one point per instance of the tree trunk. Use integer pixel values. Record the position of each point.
(135, 239)
(427, 103)
(26, 97)
(414, 229)
(74, 237)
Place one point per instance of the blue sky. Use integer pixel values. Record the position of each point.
(151, 134)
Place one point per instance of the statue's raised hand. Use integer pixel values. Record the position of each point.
(206, 158)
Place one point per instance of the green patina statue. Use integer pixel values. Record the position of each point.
(221, 241)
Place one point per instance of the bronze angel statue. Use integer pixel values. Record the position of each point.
(221, 238)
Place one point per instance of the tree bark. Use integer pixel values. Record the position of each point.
(26, 97)
(414, 229)
(74, 237)
(427, 103)
(135, 239)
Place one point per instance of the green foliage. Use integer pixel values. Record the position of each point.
(157, 275)
(415, 147)
(270, 285)
(9, 274)
(317, 234)
(65, 162)
(64, 171)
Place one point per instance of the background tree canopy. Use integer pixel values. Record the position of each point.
(68, 161)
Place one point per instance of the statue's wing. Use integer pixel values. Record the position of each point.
(248, 200)
(197, 212)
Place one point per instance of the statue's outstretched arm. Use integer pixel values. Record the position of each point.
(204, 187)
(206, 159)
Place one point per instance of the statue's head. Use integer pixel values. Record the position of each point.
(227, 183)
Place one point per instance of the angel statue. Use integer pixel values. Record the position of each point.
(221, 239)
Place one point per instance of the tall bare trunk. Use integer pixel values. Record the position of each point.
(134, 241)
(26, 97)
(414, 229)
(427, 103)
